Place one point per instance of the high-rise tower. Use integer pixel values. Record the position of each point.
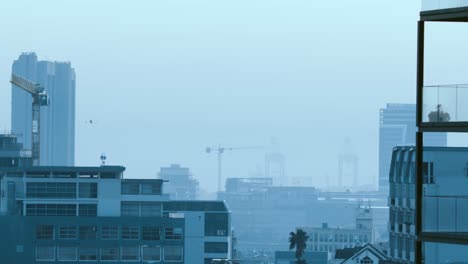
(58, 119)
(398, 128)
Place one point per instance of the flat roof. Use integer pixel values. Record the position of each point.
(65, 169)
(219, 206)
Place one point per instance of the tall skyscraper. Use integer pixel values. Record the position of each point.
(398, 128)
(57, 119)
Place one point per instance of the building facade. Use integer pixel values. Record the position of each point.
(326, 239)
(398, 128)
(92, 214)
(263, 214)
(180, 183)
(12, 153)
(57, 119)
(444, 202)
(440, 176)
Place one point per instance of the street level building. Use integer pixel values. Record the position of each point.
(331, 239)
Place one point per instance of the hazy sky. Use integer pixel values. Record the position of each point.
(164, 79)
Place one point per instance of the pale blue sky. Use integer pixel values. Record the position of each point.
(164, 79)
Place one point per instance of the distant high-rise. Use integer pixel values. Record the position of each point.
(57, 119)
(398, 128)
(180, 183)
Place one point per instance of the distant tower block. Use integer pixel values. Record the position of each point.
(275, 168)
(348, 164)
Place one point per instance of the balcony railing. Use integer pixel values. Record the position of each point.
(442, 4)
(445, 214)
(445, 103)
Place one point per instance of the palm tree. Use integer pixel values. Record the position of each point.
(298, 240)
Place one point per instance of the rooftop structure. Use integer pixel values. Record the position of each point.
(12, 153)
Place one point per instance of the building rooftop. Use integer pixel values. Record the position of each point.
(219, 206)
(65, 171)
(346, 253)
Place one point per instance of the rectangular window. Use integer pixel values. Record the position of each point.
(45, 232)
(109, 232)
(87, 210)
(45, 253)
(171, 233)
(151, 233)
(130, 253)
(130, 233)
(66, 253)
(151, 253)
(216, 224)
(88, 254)
(68, 232)
(151, 209)
(130, 188)
(110, 254)
(50, 190)
(216, 247)
(51, 210)
(130, 209)
(88, 189)
(87, 232)
(173, 253)
(151, 188)
(428, 172)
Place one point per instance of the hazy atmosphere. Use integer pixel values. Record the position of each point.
(163, 80)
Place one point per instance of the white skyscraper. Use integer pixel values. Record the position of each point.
(57, 119)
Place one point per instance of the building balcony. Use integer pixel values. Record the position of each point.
(445, 108)
(445, 214)
(443, 4)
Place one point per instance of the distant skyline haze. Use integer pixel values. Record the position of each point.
(163, 80)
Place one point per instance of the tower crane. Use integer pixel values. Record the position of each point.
(40, 98)
(219, 150)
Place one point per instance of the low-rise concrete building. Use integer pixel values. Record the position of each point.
(93, 214)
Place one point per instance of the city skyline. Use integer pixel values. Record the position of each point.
(57, 118)
(280, 70)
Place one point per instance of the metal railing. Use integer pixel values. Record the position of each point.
(445, 103)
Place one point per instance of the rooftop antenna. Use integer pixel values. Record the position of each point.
(103, 159)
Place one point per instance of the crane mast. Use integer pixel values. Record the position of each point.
(39, 98)
(219, 150)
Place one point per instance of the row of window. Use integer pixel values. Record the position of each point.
(339, 237)
(61, 210)
(61, 190)
(141, 209)
(127, 253)
(216, 247)
(109, 232)
(135, 188)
